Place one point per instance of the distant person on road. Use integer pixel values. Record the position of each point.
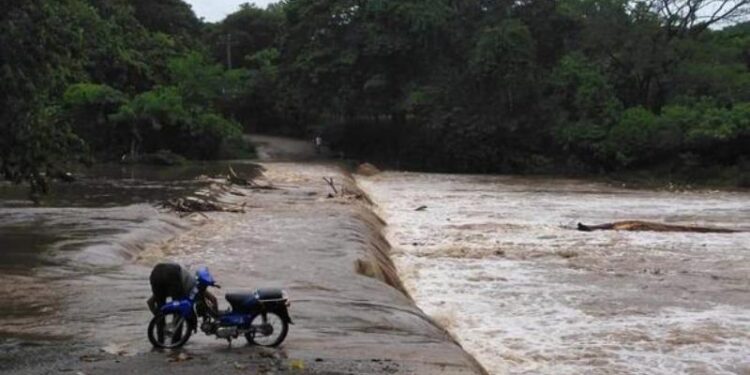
(318, 143)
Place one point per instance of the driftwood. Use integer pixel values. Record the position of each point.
(191, 205)
(332, 185)
(206, 200)
(344, 192)
(234, 179)
(634, 225)
(367, 169)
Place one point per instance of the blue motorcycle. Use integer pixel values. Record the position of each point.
(262, 316)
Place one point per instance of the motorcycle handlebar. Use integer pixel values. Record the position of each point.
(217, 286)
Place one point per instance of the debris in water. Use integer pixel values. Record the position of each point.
(421, 208)
(190, 205)
(297, 364)
(567, 254)
(235, 179)
(252, 182)
(268, 353)
(344, 192)
(115, 349)
(90, 358)
(182, 357)
(364, 267)
(332, 185)
(635, 225)
(367, 169)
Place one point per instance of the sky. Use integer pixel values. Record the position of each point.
(216, 10)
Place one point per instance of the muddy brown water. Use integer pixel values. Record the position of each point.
(73, 260)
(76, 274)
(495, 260)
(499, 262)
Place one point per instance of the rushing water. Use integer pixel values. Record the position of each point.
(495, 260)
(76, 270)
(73, 262)
(498, 262)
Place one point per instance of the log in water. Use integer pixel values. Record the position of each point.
(645, 226)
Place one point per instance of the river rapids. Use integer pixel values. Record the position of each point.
(497, 261)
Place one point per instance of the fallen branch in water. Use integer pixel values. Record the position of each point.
(635, 225)
(332, 185)
(191, 205)
(345, 192)
(234, 179)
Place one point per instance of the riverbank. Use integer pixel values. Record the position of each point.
(294, 237)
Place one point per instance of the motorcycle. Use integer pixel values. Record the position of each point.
(262, 316)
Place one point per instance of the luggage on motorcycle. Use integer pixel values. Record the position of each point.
(250, 302)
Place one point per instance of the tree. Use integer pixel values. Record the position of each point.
(40, 51)
(67, 65)
(681, 17)
(245, 33)
(171, 17)
(88, 109)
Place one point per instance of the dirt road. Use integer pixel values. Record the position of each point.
(272, 148)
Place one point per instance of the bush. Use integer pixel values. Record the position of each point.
(87, 108)
(206, 134)
(631, 138)
(162, 157)
(158, 119)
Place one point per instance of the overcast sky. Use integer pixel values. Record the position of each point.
(216, 10)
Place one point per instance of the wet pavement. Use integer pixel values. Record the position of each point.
(76, 276)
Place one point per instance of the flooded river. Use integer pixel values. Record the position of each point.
(498, 262)
(74, 268)
(494, 260)
(76, 274)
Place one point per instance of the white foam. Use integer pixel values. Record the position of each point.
(497, 262)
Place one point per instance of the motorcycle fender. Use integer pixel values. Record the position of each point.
(184, 308)
(284, 314)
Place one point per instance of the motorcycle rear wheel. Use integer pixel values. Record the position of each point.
(169, 331)
(270, 330)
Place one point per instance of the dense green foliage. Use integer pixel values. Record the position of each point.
(453, 85)
(537, 86)
(109, 80)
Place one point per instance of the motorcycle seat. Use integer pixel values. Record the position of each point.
(269, 294)
(239, 299)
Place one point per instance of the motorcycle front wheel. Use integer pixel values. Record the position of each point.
(168, 331)
(268, 330)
